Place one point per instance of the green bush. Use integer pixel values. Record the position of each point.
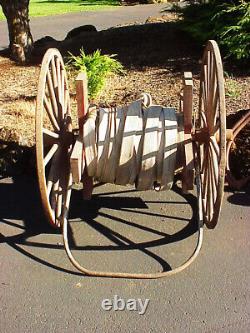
(98, 68)
(235, 37)
(228, 22)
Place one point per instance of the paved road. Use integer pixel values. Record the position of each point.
(41, 292)
(58, 26)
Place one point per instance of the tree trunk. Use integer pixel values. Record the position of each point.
(17, 15)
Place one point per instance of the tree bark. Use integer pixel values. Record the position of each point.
(21, 41)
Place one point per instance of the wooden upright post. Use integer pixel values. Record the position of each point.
(82, 99)
(77, 159)
(187, 100)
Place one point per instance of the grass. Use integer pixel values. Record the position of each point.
(55, 7)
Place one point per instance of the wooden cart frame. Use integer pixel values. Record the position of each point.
(61, 156)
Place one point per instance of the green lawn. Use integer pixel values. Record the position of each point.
(55, 7)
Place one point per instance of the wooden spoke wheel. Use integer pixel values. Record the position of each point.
(54, 136)
(211, 135)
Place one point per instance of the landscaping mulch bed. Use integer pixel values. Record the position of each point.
(155, 55)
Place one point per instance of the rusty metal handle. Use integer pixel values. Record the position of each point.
(232, 181)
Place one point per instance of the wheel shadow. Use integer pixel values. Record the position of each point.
(20, 201)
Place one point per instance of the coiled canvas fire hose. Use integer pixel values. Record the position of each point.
(136, 144)
(132, 145)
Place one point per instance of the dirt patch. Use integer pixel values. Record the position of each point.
(155, 56)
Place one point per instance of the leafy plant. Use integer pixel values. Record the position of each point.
(226, 21)
(98, 68)
(236, 35)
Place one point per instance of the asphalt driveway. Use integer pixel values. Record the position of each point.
(122, 230)
(58, 26)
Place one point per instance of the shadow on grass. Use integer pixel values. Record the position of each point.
(20, 201)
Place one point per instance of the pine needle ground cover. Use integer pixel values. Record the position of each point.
(153, 67)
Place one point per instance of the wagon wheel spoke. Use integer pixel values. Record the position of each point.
(52, 90)
(204, 171)
(49, 137)
(50, 154)
(51, 114)
(203, 119)
(58, 73)
(59, 203)
(211, 194)
(56, 184)
(51, 171)
(204, 96)
(53, 69)
(212, 121)
(214, 170)
(208, 193)
(62, 187)
(63, 92)
(54, 190)
(207, 69)
(49, 187)
(214, 146)
(211, 179)
(216, 128)
(65, 190)
(59, 89)
(212, 95)
(54, 196)
(215, 105)
(53, 121)
(205, 88)
(212, 72)
(66, 102)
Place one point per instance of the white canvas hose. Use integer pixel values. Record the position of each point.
(136, 144)
(118, 151)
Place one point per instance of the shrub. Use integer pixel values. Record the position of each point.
(235, 37)
(226, 21)
(98, 68)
